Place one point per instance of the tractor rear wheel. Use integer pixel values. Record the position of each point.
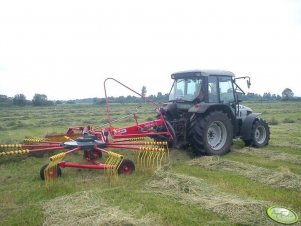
(260, 134)
(126, 167)
(211, 134)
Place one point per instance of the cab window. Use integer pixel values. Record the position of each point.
(185, 89)
(226, 90)
(212, 89)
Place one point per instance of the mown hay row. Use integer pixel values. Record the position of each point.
(192, 190)
(282, 178)
(271, 155)
(86, 208)
(286, 144)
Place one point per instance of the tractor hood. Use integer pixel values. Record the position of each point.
(244, 111)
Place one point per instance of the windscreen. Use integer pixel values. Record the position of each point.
(185, 89)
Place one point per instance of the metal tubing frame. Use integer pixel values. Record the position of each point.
(124, 147)
(139, 135)
(48, 149)
(39, 145)
(99, 166)
(107, 99)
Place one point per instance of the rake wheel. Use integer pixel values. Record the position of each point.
(126, 167)
(52, 174)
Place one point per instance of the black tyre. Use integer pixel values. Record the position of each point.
(211, 134)
(260, 134)
(57, 172)
(126, 167)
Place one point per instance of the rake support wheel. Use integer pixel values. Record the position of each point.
(126, 167)
(55, 173)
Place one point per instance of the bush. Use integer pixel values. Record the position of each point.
(273, 121)
(288, 120)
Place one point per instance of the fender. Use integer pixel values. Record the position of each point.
(208, 107)
(202, 107)
(247, 126)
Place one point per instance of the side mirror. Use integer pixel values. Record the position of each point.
(249, 83)
(245, 77)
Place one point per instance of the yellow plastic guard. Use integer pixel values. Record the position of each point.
(10, 146)
(34, 140)
(18, 152)
(137, 138)
(68, 138)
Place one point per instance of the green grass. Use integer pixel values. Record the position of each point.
(264, 162)
(167, 211)
(181, 193)
(245, 187)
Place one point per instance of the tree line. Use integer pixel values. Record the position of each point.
(20, 100)
(42, 100)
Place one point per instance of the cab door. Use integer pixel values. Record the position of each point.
(226, 92)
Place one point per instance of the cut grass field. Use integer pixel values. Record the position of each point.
(235, 189)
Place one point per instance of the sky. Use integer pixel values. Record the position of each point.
(65, 49)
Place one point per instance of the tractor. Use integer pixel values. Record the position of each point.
(204, 113)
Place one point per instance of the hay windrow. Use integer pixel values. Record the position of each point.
(86, 208)
(271, 155)
(191, 190)
(282, 178)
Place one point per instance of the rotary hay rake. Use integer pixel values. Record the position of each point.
(149, 140)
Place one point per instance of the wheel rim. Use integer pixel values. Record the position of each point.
(51, 173)
(217, 135)
(260, 135)
(127, 169)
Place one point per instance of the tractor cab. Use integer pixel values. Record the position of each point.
(209, 87)
(203, 86)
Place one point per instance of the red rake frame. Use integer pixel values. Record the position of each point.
(107, 137)
(145, 129)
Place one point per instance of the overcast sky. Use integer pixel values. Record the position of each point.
(65, 49)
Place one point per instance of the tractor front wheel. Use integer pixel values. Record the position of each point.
(126, 167)
(260, 134)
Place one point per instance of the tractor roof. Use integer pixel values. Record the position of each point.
(198, 73)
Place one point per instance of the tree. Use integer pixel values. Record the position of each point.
(19, 100)
(287, 94)
(3, 98)
(159, 96)
(58, 102)
(267, 96)
(143, 91)
(40, 100)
